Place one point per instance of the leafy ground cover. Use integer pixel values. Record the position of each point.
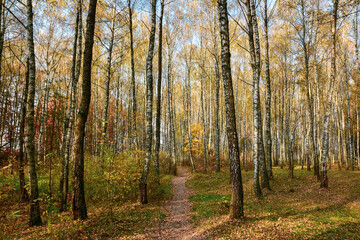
(294, 209)
(113, 210)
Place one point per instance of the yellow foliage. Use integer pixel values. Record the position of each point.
(196, 141)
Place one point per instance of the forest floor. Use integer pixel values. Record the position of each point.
(106, 220)
(295, 208)
(196, 206)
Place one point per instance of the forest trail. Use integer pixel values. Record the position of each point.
(177, 224)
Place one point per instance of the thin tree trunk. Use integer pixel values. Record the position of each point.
(237, 206)
(358, 69)
(41, 146)
(133, 84)
(358, 136)
(171, 118)
(217, 112)
(188, 108)
(256, 150)
(35, 217)
(79, 204)
(350, 152)
(158, 99)
(263, 169)
(325, 136)
(278, 118)
(2, 34)
(268, 141)
(23, 192)
(340, 138)
(69, 119)
(108, 75)
(202, 103)
(149, 106)
(343, 138)
(244, 130)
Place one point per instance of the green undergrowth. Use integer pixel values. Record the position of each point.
(111, 186)
(295, 208)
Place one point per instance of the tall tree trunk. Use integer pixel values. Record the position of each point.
(309, 97)
(358, 135)
(79, 204)
(149, 106)
(263, 169)
(350, 152)
(132, 126)
(268, 141)
(259, 152)
(291, 152)
(203, 102)
(35, 217)
(171, 117)
(257, 126)
(358, 71)
(325, 136)
(69, 119)
(278, 125)
(108, 75)
(343, 137)
(244, 131)
(316, 105)
(340, 137)
(158, 99)
(217, 112)
(41, 146)
(2, 34)
(23, 192)
(237, 206)
(188, 110)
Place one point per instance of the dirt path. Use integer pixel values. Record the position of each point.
(177, 224)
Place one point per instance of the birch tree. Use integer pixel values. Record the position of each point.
(158, 98)
(325, 136)
(69, 118)
(237, 205)
(35, 216)
(149, 107)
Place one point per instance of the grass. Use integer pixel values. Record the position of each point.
(106, 219)
(294, 209)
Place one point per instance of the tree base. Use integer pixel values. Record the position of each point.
(143, 193)
(79, 209)
(324, 180)
(35, 217)
(25, 196)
